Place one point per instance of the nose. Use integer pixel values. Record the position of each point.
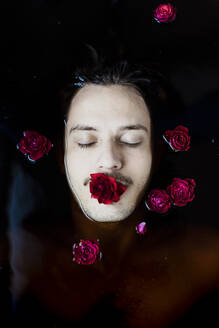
(110, 158)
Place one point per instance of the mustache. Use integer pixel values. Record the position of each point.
(118, 177)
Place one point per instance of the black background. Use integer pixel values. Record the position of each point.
(42, 41)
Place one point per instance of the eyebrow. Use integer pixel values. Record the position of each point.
(80, 127)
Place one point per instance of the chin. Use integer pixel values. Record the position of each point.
(107, 220)
(104, 213)
(106, 217)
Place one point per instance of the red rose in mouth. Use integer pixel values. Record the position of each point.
(34, 145)
(165, 13)
(105, 189)
(86, 252)
(158, 201)
(181, 191)
(178, 139)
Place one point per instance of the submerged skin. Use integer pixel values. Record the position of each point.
(155, 283)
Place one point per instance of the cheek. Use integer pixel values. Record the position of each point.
(144, 155)
(76, 165)
(141, 164)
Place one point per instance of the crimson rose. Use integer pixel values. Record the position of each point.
(105, 189)
(181, 191)
(86, 252)
(158, 201)
(34, 145)
(178, 139)
(165, 13)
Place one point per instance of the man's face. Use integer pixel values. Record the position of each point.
(107, 109)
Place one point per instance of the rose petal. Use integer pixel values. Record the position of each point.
(141, 228)
(182, 128)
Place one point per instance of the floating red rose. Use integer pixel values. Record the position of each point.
(34, 145)
(181, 191)
(178, 139)
(86, 252)
(105, 189)
(165, 13)
(158, 201)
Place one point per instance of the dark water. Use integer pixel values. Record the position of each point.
(168, 278)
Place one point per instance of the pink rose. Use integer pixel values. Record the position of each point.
(181, 191)
(158, 201)
(105, 189)
(165, 13)
(141, 228)
(178, 139)
(34, 145)
(86, 252)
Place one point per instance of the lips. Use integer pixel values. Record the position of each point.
(125, 185)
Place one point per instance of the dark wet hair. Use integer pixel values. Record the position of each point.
(115, 74)
(119, 73)
(159, 95)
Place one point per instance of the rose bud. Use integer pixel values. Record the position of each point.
(178, 139)
(158, 201)
(34, 145)
(165, 13)
(105, 189)
(141, 228)
(181, 191)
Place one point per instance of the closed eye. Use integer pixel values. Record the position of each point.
(126, 143)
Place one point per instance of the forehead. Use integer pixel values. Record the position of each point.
(108, 104)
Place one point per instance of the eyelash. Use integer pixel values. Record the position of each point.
(127, 144)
